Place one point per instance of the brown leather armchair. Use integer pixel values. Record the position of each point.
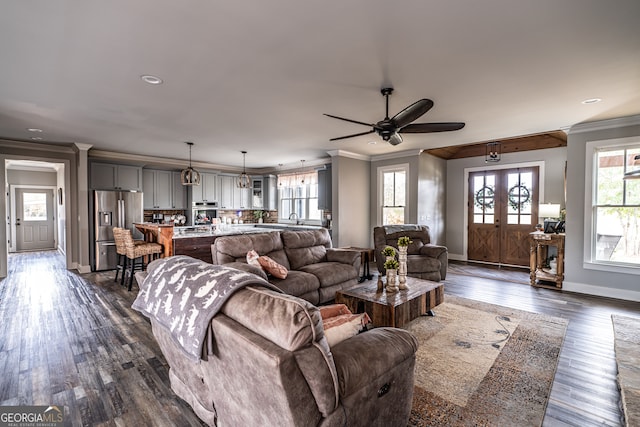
(424, 260)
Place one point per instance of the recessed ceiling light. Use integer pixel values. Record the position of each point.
(152, 80)
(34, 130)
(372, 142)
(36, 138)
(591, 101)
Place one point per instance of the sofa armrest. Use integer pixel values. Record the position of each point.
(433, 251)
(248, 268)
(369, 355)
(344, 256)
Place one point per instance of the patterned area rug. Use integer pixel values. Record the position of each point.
(480, 364)
(627, 345)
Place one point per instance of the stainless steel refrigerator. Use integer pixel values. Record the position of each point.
(114, 209)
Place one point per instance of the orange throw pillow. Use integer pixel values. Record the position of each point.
(273, 268)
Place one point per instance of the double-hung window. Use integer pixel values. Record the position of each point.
(392, 182)
(298, 198)
(615, 206)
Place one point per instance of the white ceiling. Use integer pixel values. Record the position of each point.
(258, 75)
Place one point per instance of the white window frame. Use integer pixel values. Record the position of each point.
(589, 256)
(403, 167)
(300, 220)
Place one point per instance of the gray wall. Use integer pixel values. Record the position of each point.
(577, 278)
(432, 196)
(552, 189)
(350, 202)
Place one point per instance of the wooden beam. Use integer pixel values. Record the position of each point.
(539, 141)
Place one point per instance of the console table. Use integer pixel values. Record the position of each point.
(541, 273)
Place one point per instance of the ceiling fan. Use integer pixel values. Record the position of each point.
(391, 128)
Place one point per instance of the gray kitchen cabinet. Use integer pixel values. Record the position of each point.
(157, 186)
(108, 176)
(207, 191)
(231, 196)
(179, 194)
(324, 189)
(270, 192)
(257, 193)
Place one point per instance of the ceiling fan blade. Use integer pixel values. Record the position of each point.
(349, 120)
(352, 136)
(412, 112)
(432, 127)
(395, 139)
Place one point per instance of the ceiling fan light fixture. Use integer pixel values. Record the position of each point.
(190, 176)
(493, 151)
(244, 180)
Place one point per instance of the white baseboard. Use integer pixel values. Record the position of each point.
(601, 291)
(82, 269)
(457, 257)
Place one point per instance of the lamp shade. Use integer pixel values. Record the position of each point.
(549, 210)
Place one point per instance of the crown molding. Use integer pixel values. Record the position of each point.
(349, 154)
(605, 124)
(398, 155)
(35, 146)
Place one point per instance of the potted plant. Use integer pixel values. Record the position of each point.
(391, 265)
(389, 251)
(404, 241)
(259, 215)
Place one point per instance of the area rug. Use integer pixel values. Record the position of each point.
(480, 364)
(626, 333)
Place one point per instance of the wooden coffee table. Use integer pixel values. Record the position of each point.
(393, 309)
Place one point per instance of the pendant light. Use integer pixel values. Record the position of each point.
(492, 152)
(190, 176)
(243, 179)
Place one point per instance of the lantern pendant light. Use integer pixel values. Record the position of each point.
(190, 176)
(243, 179)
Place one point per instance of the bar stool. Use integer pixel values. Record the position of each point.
(121, 250)
(134, 252)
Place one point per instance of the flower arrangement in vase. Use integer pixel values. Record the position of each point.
(403, 243)
(391, 265)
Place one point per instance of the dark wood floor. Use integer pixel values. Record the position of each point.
(73, 340)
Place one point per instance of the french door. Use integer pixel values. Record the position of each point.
(502, 211)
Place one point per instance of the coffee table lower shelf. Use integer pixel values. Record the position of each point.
(393, 309)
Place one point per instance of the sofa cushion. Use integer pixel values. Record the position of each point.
(422, 264)
(331, 273)
(234, 248)
(306, 247)
(297, 283)
(276, 270)
(252, 258)
(290, 322)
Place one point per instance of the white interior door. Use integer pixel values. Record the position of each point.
(35, 219)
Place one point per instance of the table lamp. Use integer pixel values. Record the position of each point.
(548, 211)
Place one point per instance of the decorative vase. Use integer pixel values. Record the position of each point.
(260, 220)
(391, 280)
(402, 269)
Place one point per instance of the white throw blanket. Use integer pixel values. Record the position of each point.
(183, 294)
